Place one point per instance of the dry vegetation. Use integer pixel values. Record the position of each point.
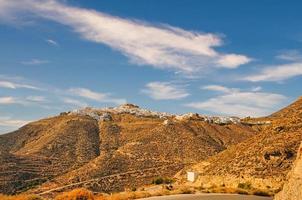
(126, 151)
(20, 197)
(263, 160)
(238, 190)
(84, 194)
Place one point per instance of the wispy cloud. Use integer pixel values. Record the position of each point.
(13, 85)
(96, 96)
(34, 62)
(219, 88)
(256, 89)
(36, 99)
(52, 42)
(276, 73)
(241, 103)
(14, 123)
(165, 91)
(290, 55)
(25, 101)
(75, 102)
(162, 46)
(8, 100)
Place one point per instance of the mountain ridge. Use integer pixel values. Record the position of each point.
(110, 149)
(93, 143)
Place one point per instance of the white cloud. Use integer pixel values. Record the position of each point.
(256, 89)
(75, 102)
(290, 55)
(12, 85)
(96, 96)
(9, 122)
(36, 98)
(8, 100)
(233, 60)
(163, 47)
(219, 88)
(241, 103)
(52, 42)
(25, 101)
(35, 62)
(164, 91)
(276, 73)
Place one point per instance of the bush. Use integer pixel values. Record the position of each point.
(261, 193)
(242, 192)
(20, 197)
(245, 186)
(161, 180)
(77, 194)
(158, 181)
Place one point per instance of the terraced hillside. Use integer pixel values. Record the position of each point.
(127, 146)
(261, 161)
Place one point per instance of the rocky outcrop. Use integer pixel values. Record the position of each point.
(292, 190)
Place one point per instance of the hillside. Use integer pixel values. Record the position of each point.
(292, 189)
(261, 161)
(110, 149)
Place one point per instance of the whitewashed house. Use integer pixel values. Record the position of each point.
(192, 176)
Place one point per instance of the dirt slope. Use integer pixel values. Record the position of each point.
(109, 149)
(292, 189)
(262, 160)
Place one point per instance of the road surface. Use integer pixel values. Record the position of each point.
(209, 197)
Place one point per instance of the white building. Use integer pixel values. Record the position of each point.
(192, 176)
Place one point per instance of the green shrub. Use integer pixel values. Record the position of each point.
(242, 192)
(158, 181)
(161, 180)
(245, 186)
(261, 193)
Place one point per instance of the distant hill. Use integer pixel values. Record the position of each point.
(111, 148)
(263, 160)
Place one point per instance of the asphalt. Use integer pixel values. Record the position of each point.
(209, 197)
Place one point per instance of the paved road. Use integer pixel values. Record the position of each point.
(209, 197)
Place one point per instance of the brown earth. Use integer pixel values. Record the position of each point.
(292, 189)
(261, 161)
(73, 150)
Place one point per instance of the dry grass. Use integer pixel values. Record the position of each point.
(84, 194)
(20, 197)
(77, 194)
(243, 191)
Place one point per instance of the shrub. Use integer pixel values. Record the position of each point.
(245, 186)
(242, 192)
(161, 180)
(77, 194)
(158, 181)
(20, 197)
(261, 193)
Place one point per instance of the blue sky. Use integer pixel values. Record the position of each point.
(212, 57)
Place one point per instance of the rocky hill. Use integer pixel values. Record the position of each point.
(261, 161)
(292, 189)
(110, 149)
